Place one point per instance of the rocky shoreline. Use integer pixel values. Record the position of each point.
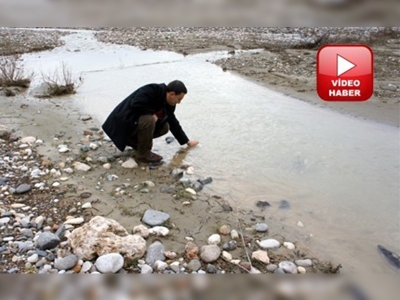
(44, 232)
(18, 41)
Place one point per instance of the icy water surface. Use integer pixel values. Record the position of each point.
(339, 174)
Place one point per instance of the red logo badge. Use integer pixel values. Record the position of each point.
(345, 73)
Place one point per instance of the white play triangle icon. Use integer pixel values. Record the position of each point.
(343, 65)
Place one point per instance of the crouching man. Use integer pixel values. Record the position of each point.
(146, 114)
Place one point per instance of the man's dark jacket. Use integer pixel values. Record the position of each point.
(146, 100)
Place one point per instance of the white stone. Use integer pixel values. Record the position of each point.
(86, 267)
(146, 269)
(109, 263)
(254, 270)
(75, 221)
(300, 224)
(190, 171)
(269, 244)
(28, 140)
(33, 259)
(160, 265)
(107, 166)
(4, 221)
(39, 220)
(261, 256)
(17, 205)
(191, 191)
(226, 255)
(214, 239)
(235, 261)
(171, 255)
(81, 166)
(175, 267)
(129, 164)
(23, 146)
(234, 235)
(64, 178)
(56, 184)
(304, 263)
(46, 268)
(159, 231)
(301, 270)
(210, 253)
(39, 142)
(68, 171)
(93, 146)
(289, 245)
(149, 183)
(87, 205)
(36, 173)
(142, 230)
(63, 149)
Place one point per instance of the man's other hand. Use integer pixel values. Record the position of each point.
(192, 143)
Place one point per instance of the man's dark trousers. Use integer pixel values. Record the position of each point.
(146, 130)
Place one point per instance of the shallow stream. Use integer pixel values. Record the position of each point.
(340, 174)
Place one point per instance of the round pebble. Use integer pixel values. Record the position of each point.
(271, 267)
(214, 239)
(224, 230)
(109, 263)
(260, 227)
(269, 244)
(288, 267)
(301, 270)
(289, 245)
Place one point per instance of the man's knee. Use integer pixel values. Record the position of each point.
(164, 129)
(146, 121)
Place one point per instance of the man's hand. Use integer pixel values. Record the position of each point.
(155, 117)
(192, 143)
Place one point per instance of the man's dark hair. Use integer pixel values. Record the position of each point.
(177, 87)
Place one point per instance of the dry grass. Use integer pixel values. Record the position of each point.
(9, 93)
(61, 82)
(12, 73)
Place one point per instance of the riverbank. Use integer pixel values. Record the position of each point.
(46, 147)
(125, 194)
